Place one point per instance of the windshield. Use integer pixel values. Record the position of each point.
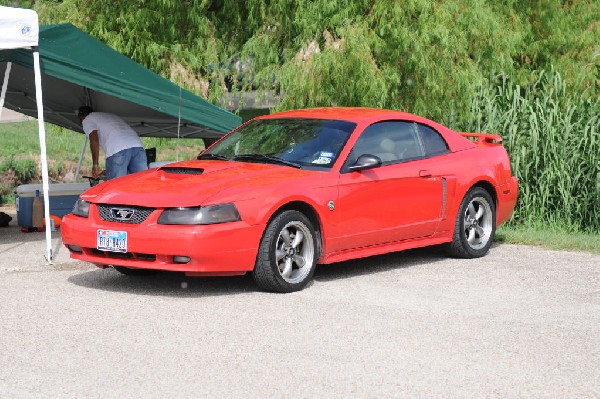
(302, 142)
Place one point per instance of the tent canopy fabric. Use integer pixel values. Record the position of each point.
(72, 69)
(18, 28)
(78, 69)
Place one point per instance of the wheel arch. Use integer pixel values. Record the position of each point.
(310, 212)
(489, 187)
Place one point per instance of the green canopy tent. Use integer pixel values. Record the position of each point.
(78, 69)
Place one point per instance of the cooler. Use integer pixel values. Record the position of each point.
(62, 198)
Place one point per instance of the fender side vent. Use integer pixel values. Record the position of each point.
(182, 171)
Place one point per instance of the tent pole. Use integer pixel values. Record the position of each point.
(42, 134)
(178, 123)
(4, 87)
(81, 158)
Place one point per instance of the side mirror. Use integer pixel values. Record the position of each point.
(364, 162)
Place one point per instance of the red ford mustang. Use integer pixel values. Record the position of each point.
(287, 191)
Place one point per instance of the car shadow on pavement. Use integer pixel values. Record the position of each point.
(379, 263)
(178, 285)
(168, 284)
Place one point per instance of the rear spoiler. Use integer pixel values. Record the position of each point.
(482, 138)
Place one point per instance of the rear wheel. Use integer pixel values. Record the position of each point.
(475, 225)
(135, 272)
(287, 255)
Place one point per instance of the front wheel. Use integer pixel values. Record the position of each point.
(475, 225)
(287, 255)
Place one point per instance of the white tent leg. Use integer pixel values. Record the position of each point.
(4, 86)
(80, 159)
(42, 134)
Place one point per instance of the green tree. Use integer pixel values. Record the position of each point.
(424, 56)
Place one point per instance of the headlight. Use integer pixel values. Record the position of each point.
(200, 215)
(81, 208)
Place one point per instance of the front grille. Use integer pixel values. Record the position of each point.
(107, 212)
(182, 171)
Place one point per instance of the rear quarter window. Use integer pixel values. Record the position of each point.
(432, 141)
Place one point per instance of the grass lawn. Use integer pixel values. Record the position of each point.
(20, 151)
(21, 140)
(20, 154)
(549, 238)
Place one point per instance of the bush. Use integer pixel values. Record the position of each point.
(14, 172)
(553, 138)
(56, 170)
(6, 192)
(18, 171)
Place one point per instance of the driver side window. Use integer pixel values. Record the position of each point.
(392, 142)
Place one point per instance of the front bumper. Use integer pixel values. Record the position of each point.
(218, 249)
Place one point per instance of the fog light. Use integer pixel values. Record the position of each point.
(181, 259)
(75, 248)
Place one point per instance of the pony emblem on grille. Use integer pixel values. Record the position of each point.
(122, 214)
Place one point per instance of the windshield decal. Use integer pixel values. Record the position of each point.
(325, 158)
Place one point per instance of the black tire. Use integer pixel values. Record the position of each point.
(287, 254)
(135, 272)
(475, 225)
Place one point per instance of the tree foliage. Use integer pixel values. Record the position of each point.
(424, 56)
(529, 70)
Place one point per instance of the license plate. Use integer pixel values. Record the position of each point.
(113, 241)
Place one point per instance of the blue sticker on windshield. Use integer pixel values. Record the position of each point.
(325, 157)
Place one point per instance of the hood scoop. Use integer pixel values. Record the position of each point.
(178, 170)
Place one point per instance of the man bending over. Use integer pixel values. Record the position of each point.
(122, 146)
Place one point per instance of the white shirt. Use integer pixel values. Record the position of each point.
(113, 133)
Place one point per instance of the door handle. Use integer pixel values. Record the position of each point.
(425, 173)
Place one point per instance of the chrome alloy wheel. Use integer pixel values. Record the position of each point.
(295, 248)
(478, 223)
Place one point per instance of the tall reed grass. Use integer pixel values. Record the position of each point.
(553, 139)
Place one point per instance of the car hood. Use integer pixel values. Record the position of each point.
(193, 183)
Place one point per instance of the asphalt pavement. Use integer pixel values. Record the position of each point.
(521, 322)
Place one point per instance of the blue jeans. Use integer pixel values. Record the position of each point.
(126, 161)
